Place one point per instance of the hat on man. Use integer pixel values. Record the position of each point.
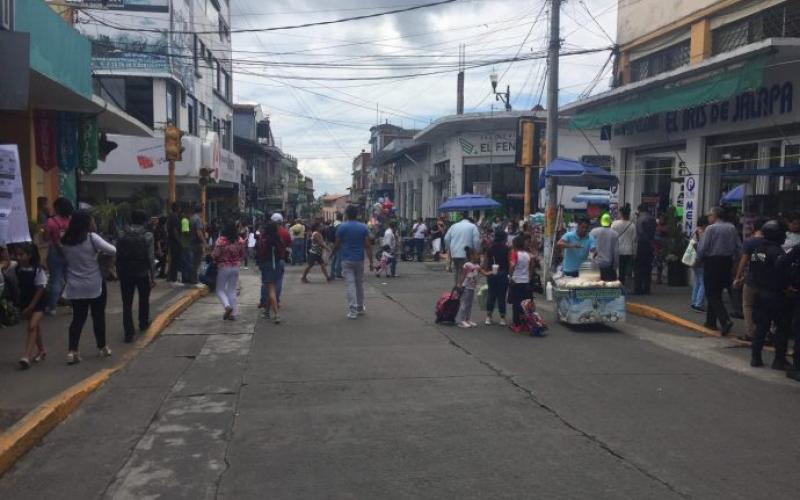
(277, 218)
(605, 220)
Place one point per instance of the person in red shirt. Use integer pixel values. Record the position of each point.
(55, 228)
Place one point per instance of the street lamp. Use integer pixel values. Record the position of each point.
(505, 97)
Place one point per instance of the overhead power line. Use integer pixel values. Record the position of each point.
(280, 28)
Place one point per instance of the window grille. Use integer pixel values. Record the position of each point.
(780, 21)
(662, 61)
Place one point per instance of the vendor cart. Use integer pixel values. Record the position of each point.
(582, 306)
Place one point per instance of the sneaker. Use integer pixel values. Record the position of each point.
(352, 315)
(228, 312)
(105, 352)
(362, 311)
(488, 321)
(698, 309)
(245, 268)
(502, 322)
(24, 363)
(472, 324)
(73, 357)
(464, 324)
(276, 320)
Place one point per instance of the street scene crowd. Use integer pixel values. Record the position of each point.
(761, 274)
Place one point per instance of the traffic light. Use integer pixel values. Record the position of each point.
(205, 176)
(173, 149)
(529, 142)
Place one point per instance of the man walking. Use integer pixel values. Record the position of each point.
(196, 240)
(174, 243)
(136, 266)
(390, 240)
(646, 235)
(461, 235)
(352, 240)
(420, 231)
(716, 250)
(626, 242)
(606, 242)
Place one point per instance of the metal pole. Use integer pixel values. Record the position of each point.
(171, 182)
(551, 193)
(527, 210)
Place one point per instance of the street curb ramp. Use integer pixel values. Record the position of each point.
(23, 435)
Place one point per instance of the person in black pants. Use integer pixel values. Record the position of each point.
(497, 254)
(645, 233)
(136, 271)
(716, 250)
(174, 243)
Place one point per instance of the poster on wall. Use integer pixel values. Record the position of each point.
(689, 204)
(13, 215)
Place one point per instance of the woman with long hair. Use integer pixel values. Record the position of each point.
(270, 252)
(227, 254)
(86, 288)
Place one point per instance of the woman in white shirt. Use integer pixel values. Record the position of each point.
(85, 288)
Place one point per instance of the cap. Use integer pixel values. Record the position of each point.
(277, 218)
(605, 220)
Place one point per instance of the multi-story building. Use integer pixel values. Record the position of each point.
(476, 153)
(381, 175)
(703, 103)
(360, 185)
(165, 61)
(333, 204)
(48, 108)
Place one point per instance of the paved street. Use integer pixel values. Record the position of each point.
(393, 406)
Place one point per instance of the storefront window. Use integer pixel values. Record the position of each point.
(791, 158)
(658, 180)
(734, 163)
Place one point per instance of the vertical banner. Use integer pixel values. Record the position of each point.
(44, 126)
(690, 208)
(67, 141)
(87, 145)
(67, 186)
(13, 215)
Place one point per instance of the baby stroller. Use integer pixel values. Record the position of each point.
(532, 322)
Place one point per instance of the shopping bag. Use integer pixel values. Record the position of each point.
(690, 255)
(483, 293)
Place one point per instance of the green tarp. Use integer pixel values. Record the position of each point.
(671, 98)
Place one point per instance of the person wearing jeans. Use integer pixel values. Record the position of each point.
(85, 288)
(497, 255)
(55, 228)
(353, 241)
(699, 290)
(461, 235)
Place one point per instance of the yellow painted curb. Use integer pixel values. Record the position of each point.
(657, 314)
(23, 435)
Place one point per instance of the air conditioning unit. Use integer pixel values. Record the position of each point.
(7, 15)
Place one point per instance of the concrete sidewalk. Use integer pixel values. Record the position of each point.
(22, 391)
(673, 302)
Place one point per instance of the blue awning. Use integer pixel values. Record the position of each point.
(576, 173)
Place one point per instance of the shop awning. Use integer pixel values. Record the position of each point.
(777, 171)
(674, 97)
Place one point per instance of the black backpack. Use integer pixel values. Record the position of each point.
(133, 257)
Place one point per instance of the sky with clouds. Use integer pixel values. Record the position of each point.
(310, 80)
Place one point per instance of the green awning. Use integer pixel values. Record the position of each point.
(672, 98)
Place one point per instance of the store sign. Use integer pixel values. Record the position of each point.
(498, 143)
(762, 103)
(690, 207)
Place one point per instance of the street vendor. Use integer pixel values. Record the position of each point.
(605, 248)
(576, 245)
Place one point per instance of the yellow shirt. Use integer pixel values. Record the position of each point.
(298, 230)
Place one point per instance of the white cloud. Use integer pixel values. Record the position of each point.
(414, 42)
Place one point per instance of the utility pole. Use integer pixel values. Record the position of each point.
(551, 192)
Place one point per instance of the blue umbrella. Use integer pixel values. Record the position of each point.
(468, 202)
(577, 173)
(593, 196)
(735, 195)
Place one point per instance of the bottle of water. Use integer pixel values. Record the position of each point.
(549, 291)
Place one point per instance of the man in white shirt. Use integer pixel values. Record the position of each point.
(626, 249)
(420, 231)
(793, 234)
(390, 240)
(460, 236)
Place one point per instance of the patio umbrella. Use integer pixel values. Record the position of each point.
(577, 173)
(593, 197)
(468, 202)
(735, 195)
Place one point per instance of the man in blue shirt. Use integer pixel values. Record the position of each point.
(352, 242)
(576, 245)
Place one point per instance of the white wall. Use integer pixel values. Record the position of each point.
(636, 18)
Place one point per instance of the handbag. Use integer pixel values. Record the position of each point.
(690, 255)
(483, 293)
(108, 268)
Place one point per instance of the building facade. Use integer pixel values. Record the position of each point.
(159, 61)
(704, 102)
(359, 189)
(475, 153)
(381, 178)
(333, 204)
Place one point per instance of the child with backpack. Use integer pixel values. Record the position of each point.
(469, 282)
(31, 280)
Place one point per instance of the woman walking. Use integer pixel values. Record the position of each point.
(520, 271)
(497, 255)
(315, 254)
(270, 252)
(227, 255)
(86, 288)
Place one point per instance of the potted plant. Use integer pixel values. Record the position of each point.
(674, 246)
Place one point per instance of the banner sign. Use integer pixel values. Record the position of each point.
(87, 142)
(44, 127)
(689, 204)
(67, 141)
(13, 215)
